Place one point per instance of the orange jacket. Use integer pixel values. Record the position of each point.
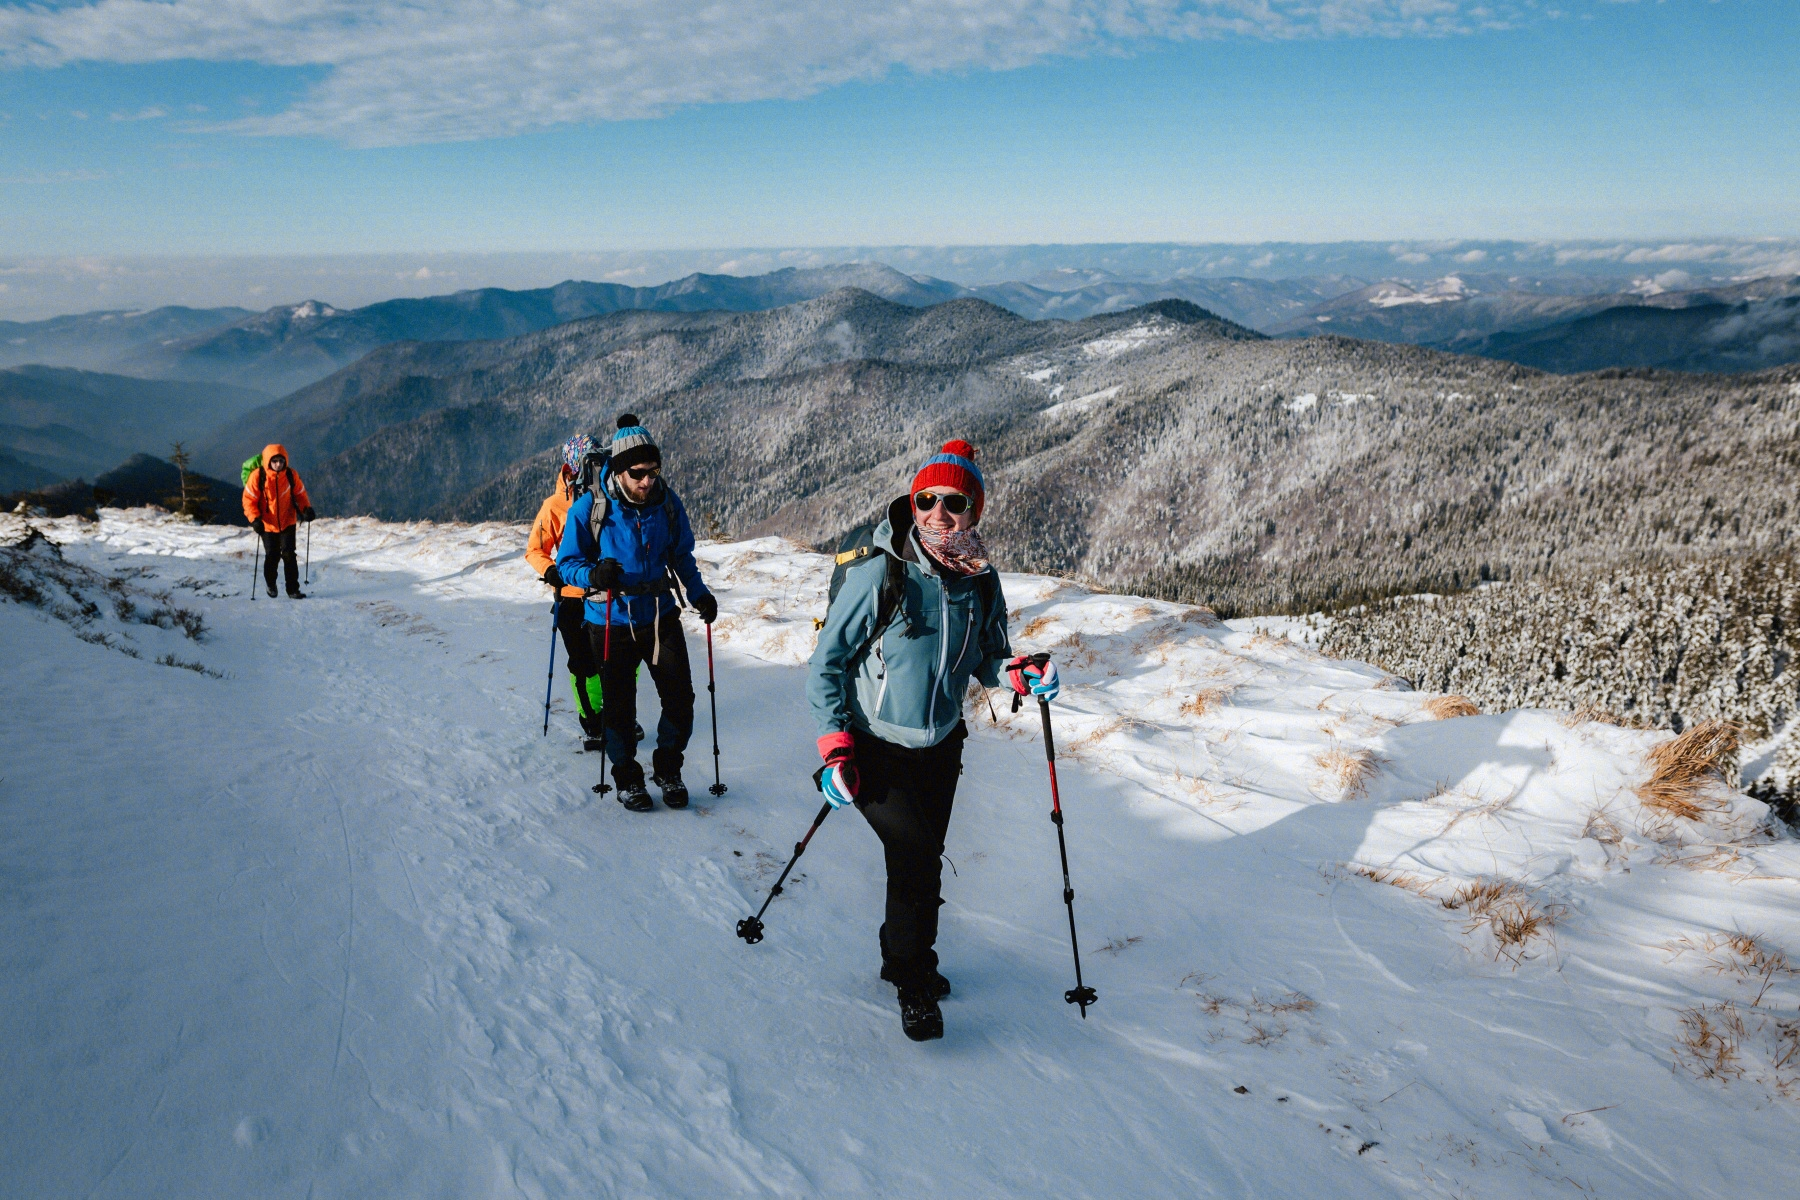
(278, 497)
(547, 531)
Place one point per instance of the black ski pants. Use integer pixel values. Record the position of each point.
(906, 796)
(281, 545)
(662, 649)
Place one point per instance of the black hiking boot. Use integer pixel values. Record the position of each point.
(296, 594)
(636, 797)
(271, 591)
(919, 1015)
(674, 792)
(935, 983)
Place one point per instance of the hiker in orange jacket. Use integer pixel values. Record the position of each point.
(275, 502)
(540, 552)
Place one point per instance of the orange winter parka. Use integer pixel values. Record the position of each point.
(546, 534)
(277, 497)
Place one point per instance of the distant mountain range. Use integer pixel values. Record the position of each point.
(98, 341)
(58, 423)
(287, 347)
(1744, 326)
(1161, 447)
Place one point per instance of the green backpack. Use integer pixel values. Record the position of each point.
(252, 465)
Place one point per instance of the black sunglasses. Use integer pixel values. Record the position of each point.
(955, 503)
(642, 473)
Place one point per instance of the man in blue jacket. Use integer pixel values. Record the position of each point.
(631, 560)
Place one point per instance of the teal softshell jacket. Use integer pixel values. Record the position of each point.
(907, 687)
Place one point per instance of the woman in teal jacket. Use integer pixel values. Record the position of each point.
(888, 702)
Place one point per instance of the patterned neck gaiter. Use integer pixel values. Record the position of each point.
(958, 550)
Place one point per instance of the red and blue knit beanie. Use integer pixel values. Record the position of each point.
(953, 466)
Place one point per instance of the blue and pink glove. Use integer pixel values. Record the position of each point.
(1033, 676)
(837, 778)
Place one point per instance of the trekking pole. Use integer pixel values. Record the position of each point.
(550, 676)
(308, 552)
(751, 928)
(604, 787)
(255, 561)
(1080, 994)
(712, 697)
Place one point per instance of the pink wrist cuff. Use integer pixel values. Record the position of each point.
(832, 743)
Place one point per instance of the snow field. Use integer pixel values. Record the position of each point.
(337, 920)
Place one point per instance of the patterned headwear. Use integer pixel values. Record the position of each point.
(633, 444)
(953, 466)
(576, 451)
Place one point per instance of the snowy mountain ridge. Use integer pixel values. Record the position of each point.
(325, 906)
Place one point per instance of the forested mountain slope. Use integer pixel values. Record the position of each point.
(1161, 447)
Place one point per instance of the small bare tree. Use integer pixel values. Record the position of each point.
(191, 503)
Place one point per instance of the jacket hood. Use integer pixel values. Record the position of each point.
(894, 534)
(274, 448)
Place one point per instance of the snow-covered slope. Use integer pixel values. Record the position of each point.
(324, 914)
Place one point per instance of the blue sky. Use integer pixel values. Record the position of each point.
(321, 126)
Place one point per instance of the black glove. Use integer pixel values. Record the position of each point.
(256, 524)
(552, 576)
(707, 607)
(306, 514)
(607, 575)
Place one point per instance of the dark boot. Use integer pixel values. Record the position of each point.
(933, 982)
(296, 594)
(919, 1015)
(635, 797)
(272, 592)
(674, 792)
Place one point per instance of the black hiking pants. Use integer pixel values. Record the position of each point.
(281, 545)
(662, 649)
(906, 796)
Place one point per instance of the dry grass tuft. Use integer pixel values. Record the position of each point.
(1350, 770)
(1287, 1002)
(1481, 808)
(1118, 946)
(1742, 955)
(1399, 879)
(1602, 828)
(1204, 701)
(1710, 1037)
(1602, 716)
(1443, 708)
(1508, 911)
(1036, 626)
(1681, 769)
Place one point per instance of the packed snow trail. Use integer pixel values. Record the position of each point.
(338, 921)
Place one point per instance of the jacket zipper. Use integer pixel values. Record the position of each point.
(943, 653)
(881, 692)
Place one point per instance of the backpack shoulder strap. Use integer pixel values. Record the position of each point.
(597, 514)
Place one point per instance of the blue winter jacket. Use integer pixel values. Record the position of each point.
(646, 540)
(906, 687)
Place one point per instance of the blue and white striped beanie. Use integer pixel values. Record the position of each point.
(633, 444)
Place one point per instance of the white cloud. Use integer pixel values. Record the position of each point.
(1473, 256)
(441, 70)
(143, 114)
